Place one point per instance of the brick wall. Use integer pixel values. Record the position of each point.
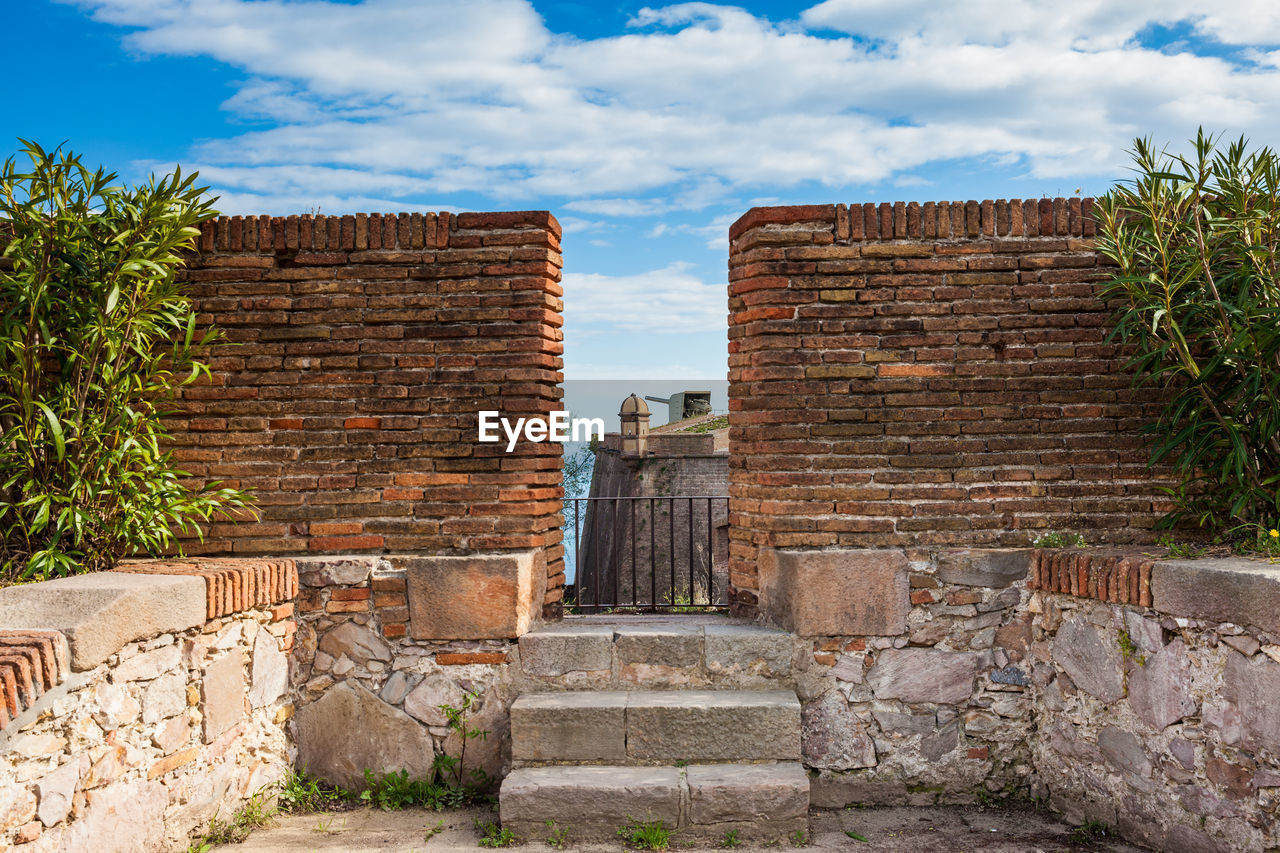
(364, 346)
(937, 374)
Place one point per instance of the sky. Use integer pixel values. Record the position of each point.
(647, 130)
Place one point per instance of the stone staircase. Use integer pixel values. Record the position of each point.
(691, 720)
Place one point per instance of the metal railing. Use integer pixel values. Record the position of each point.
(648, 554)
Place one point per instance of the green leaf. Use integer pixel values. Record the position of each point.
(55, 427)
(855, 836)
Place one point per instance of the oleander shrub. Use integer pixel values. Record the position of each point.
(96, 338)
(1196, 238)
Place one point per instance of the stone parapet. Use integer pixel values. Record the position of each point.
(907, 375)
(146, 703)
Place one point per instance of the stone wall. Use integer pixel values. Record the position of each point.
(368, 693)
(924, 696)
(926, 375)
(363, 348)
(1163, 721)
(165, 703)
(1149, 705)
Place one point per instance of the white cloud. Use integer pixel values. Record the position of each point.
(715, 232)
(620, 206)
(696, 104)
(664, 300)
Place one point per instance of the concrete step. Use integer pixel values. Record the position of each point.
(650, 727)
(638, 652)
(762, 802)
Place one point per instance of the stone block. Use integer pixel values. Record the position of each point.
(56, 792)
(100, 613)
(482, 597)
(270, 675)
(732, 649)
(1239, 591)
(165, 697)
(1184, 839)
(17, 806)
(761, 801)
(126, 817)
(147, 665)
(924, 675)
(554, 650)
(833, 738)
(336, 570)
(593, 801)
(1091, 658)
(424, 701)
(1160, 689)
(836, 593)
(586, 726)
(349, 730)
(996, 568)
(358, 642)
(1252, 687)
(662, 645)
(714, 725)
(1124, 752)
(222, 695)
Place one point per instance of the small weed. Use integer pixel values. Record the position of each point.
(731, 839)
(254, 814)
(1260, 539)
(456, 720)
(645, 836)
(680, 762)
(301, 794)
(799, 838)
(558, 836)
(856, 837)
(1180, 550)
(1129, 649)
(324, 827)
(1089, 831)
(1055, 539)
(495, 836)
(985, 799)
(433, 831)
(394, 791)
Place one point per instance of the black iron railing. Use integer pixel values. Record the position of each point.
(648, 554)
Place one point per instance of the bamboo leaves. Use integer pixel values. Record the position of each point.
(96, 338)
(1195, 240)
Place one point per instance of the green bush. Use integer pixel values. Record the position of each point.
(1196, 241)
(95, 339)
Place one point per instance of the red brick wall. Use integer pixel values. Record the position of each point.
(916, 375)
(364, 347)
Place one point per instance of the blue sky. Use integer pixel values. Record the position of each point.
(646, 129)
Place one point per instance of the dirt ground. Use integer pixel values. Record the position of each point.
(1004, 829)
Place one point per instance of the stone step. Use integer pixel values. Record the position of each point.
(649, 727)
(762, 802)
(638, 652)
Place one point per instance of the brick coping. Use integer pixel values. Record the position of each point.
(1121, 576)
(898, 220)
(1236, 590)
(232, 585)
